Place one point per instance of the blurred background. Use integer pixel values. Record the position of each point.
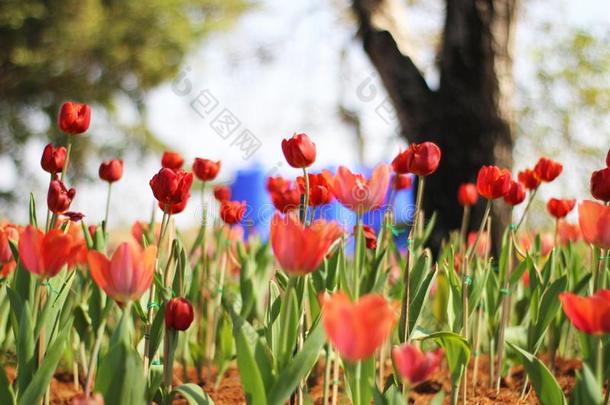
(362, 78)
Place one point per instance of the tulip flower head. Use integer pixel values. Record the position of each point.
(222, 193)
(359, 194)
(401, 182)
(591, 314)
(298, 249)
(277, 184)
(174, 208)
(74, 118)
(111, 170)
(483, 246)
(319, 188)
(299, 151)
(205, 169)
(467, 194)
(568, 233)
(7, 262)
(415, 366)
(515, 194)
(421, 159)
(547, 170)
(370, 237)
(59, 197)
(560, 208)
(170, 186)
(493, 182)
(125, 276)
(600, 184)
(286, 200)
(179, 314)
(594, 220)
(44, 254)
(232, 212)
(172, 160)
(528, 178)
(53, 159)
(357, 329)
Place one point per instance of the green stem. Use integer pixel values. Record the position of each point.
(472, 248)
(107, 206)
(67, 161)
(419, 200)
(464, 227)
(327, 364)
(527, 207)
(358, 257)
(306, 203)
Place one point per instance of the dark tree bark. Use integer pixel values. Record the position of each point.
(469, 116)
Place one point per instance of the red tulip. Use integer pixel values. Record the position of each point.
(44, 254)
(357, 193)
(515, 194)
(401, 182)
(59, 197)
(357, 329)
(529, 179)
(174, 208)
(600, 184)
(560, 208)
(232, 212)
(568, 233)
(111, 170)
(493, 182)
(205, 169)
(127, 275)
(608, 159)
(547, 170)
(415, 366)
(421, 159)
(74, 118)
(299, 151)
(286, 200)
(594, 219)
(277, 184)
(222, 193)
(299, 249)
(319, 189)
(53, 159)
(588, 314)
(141, 228)
(7, 262)
(179, 314)
(172, 160)
(171, 186)
(94, 399)
(370, 237)
(467, 194)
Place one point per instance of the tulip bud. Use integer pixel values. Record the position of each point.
(515, 194)
(467, 194)
(171, 186)
(299, 151)
(172, 160)
(175, 208)
(277, 184)
(53, 159)
(206, 169)
(287, 199)
(401, 182)
(74, 118)
(59, 197)
(600, 184)
(547, 170)
(421, 159)
(111, 170)
(560, 208)
(232, 212)
(493, 182)
(178, 314)
(222, 193)
(529, 179)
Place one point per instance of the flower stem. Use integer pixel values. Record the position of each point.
(67, 161)
(96, 348)
(107, 206)
(472, 248)
(527, 207)
(358, 257)
(464, 227)
(306, 202)
(505, 307)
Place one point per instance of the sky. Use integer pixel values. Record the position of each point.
(285, 67)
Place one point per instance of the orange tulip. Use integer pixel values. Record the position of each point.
(300, 249)
(45, 254)
(357, 329)
(568, 233)
(588, 314)
(7, 262)
(127, 275)
(594, 219)
(415, 366)
(359, 194)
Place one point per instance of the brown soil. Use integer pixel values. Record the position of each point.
(229, 391)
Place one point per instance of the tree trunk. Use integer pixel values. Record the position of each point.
(469, 116)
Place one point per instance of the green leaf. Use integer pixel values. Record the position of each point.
(392, 396)
(549, 306)
(38, 385)
(193, 393)
(587, 391)
(289, 320)
(360, 390)
(156, 331)
(299, 366)
(25, 350)
(544, 383)
(32, 211)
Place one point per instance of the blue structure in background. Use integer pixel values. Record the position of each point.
(249, 186)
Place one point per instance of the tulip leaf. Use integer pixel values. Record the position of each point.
(38, 384)
(156, 331)
(289, 321)
(193, 394)
(26, 360)
(360, 388)
(32, 211)
(544, 383)
(547, 310)
(298, 367)
(419, 299)
(391, 396)
(587, 391)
